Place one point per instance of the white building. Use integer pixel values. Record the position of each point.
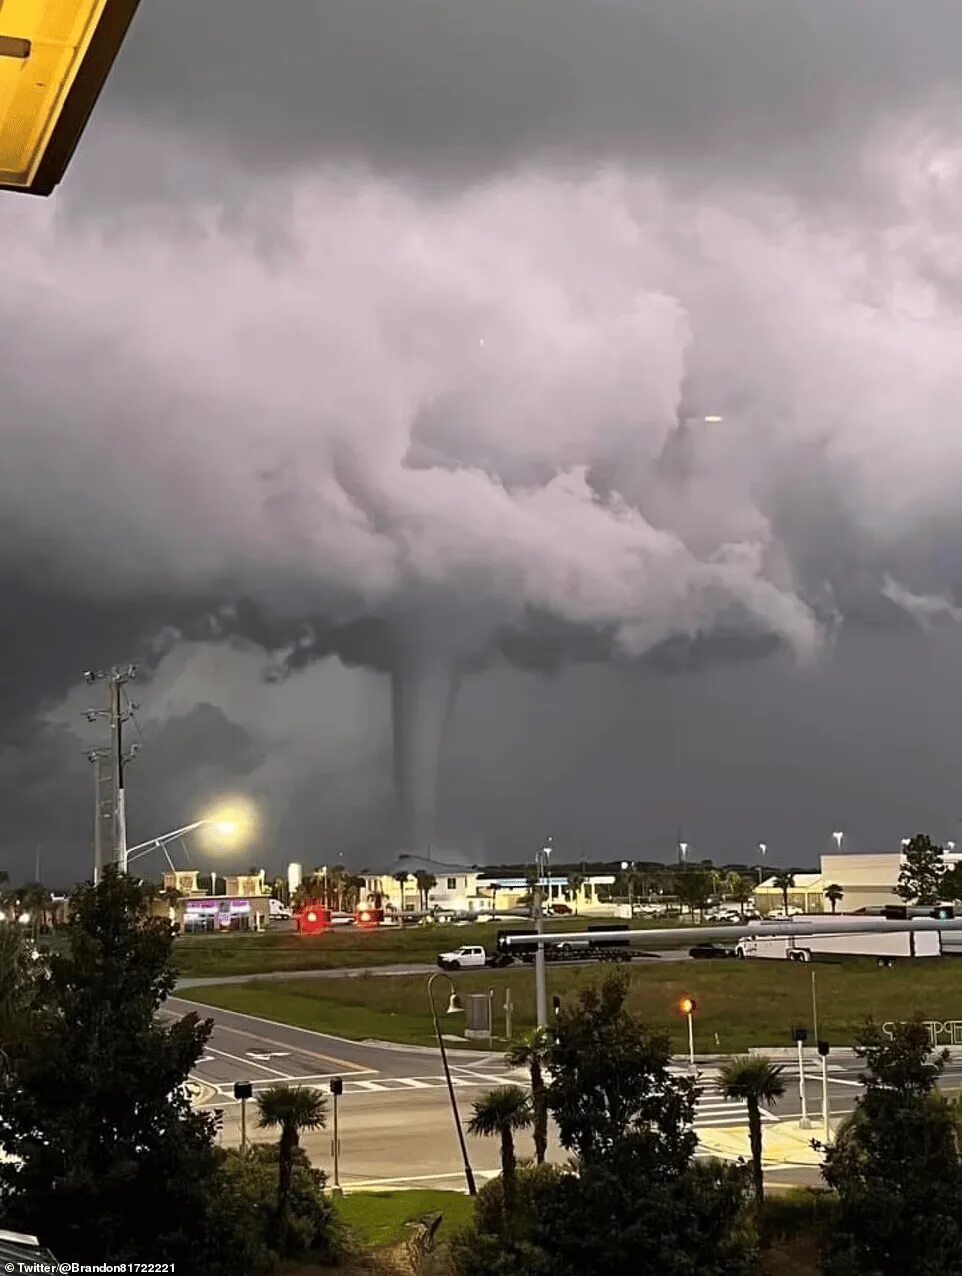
(868, 881)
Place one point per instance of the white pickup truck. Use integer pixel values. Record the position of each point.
(463, 958)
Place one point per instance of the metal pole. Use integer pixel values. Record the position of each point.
(814, 1008)
(804, 1122)
(691, 1040)
(117, 767)
(243, 1125)
(540, 983)
(468, 1174)
(825, 1112)
(490, 1018)
(508, 1008)
(337, 1151)
(97, 761)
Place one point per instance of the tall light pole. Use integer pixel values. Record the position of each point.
(630, 870)
(838, 836)
(540, 980)
(762, 849)
(683, 852)
(454, 1006)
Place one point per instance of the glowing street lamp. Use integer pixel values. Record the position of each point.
(838, 835)
(54, 59)
(226, 828)
(687, 1006)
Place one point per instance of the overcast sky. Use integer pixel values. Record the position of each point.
(390, 328)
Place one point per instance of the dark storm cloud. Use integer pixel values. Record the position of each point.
(452, 87)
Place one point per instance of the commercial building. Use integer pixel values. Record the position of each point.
(245, 904)
(465, 888)
(867, 881)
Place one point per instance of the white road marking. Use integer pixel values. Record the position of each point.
(250, 1063)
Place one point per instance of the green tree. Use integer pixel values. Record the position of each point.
(783, 881)
(923, 868)
(741, 889)
(756, 1080)
(952, 884)
(693, 888)
(895, 1165)
(834, 894)
(289, 1109)
(93, 1104)
(575, 883)
(529, 1052)
(401, 879)
(426, 883)
(500, 1113)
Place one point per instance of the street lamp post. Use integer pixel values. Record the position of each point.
(683, 849)
(762, 848)
(337, 1089)
(838, 835)
(688, 1006)
(629, 869)
(453, 1007)
(540, 979)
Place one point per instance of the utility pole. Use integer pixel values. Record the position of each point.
(112, 760)
(540, 983)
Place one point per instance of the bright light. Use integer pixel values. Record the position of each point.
(687, 1006)
(906, 840)
(950, 846)
(762, 847)
(624, 865)
(312, 917)
(838, 835)
(713, 420)
(231, 824)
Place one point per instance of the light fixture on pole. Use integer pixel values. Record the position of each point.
(337, 1089)
(838, 836)
(762, 849)
(454, 1006)
(800, 1036)
(683, 851)
(540, 977)
(688, 1006)
(243, 1091)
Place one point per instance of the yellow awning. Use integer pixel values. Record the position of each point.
(54, 59)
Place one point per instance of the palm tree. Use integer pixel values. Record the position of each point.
(784, 881)
(500, 1112)
(834, 894)
(741, 890)
(575, 883)
(426, 884)
(756, 1080)
(401, 879)
(529, 1052)
(290, 1109)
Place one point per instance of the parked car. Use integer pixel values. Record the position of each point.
(709, 951)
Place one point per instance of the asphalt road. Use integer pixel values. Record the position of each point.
(395, 1118)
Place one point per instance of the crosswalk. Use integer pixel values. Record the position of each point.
(714, 1109)
(461, 1079)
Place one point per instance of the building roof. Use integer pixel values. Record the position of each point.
(421, 864)
(803, 882)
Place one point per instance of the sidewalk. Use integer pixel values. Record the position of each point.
(784, 1143)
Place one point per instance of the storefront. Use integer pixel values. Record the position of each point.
(224, 913)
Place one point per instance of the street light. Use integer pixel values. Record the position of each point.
(800, 1036)
(683, 849)
(628, 868)
(687, 1006)
(838, 835)
(230, 827)
(454, 1006)
(54, 59)
(762, 848)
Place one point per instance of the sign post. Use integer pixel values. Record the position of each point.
(243, 1091)
(337, 1089)
(823, 1049)
(800, 1036)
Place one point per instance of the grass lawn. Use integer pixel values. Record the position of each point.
(378, 1218)
(238, 954)
(740, 1004)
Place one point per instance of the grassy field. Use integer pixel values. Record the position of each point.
(740, 1005)
(238, 954)
(379, 1218)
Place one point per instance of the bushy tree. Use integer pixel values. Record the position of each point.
(633, 1199)
(895, 1165)
(693, 889)
(923, 868)
(112, 1164)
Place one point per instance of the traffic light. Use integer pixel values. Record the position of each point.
(823, 1048)
(243, 1089)
(799, 1034)
(337, 1085)
(687, 1005)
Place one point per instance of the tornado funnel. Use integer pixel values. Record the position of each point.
(424, 689)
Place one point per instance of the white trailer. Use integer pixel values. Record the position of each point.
(886, 947)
